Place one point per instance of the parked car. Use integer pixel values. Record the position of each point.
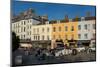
(80, 49)
(92, 49)
(62, 52)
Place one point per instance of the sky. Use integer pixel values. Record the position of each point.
(54, 11)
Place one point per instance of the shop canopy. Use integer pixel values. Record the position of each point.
(25, 45)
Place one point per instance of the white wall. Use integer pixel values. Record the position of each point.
(89, 31)
(28, 27)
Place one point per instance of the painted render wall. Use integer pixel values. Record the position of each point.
(90, 31)
(37, 30)
(18, 28)
(69, 34)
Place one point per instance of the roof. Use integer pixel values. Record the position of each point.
(74, 19)
(29, 14)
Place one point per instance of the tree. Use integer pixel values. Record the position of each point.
(15, 42)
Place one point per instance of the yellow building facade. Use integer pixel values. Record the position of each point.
(65, 30)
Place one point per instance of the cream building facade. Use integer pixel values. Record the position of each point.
(41, 32)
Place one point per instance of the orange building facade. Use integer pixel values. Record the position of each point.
(65, 31)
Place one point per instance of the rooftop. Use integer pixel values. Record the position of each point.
(29, 14)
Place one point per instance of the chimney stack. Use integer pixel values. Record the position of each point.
(66, 18)
(58, 21)
(88, 14)
(82, 18)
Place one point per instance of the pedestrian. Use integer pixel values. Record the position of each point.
(53, 53)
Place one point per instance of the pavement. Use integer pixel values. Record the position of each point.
(36, 60)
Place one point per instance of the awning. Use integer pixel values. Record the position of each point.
(25, 45)
(83, 41)
(59, 43)
(59, 40)
(72, 40)
(42, 42)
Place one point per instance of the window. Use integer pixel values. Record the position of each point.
(30, 27)
(34, 37)
(21, 29)
(30, 20)
(94, 26)
(48, 37)
(66, 28)
(24, 29)
(24, 36)
(79, 36)
(79, 27)
(38, 37)
(24, 22)
(30, 32)
(21, 37)
(59, 28)
(42, 37)
(13, 26)
(47, 29)
(72, 29)
(94, 36)
(54, 29)
(85, 26)
(94, 44)
(86, 36)
(42, 29)
(18, 30)
(88, 26)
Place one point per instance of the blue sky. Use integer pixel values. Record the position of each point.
(53, 10)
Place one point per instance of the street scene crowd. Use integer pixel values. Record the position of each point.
(38, 55)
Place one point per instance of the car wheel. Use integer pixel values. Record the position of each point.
(74, 52)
